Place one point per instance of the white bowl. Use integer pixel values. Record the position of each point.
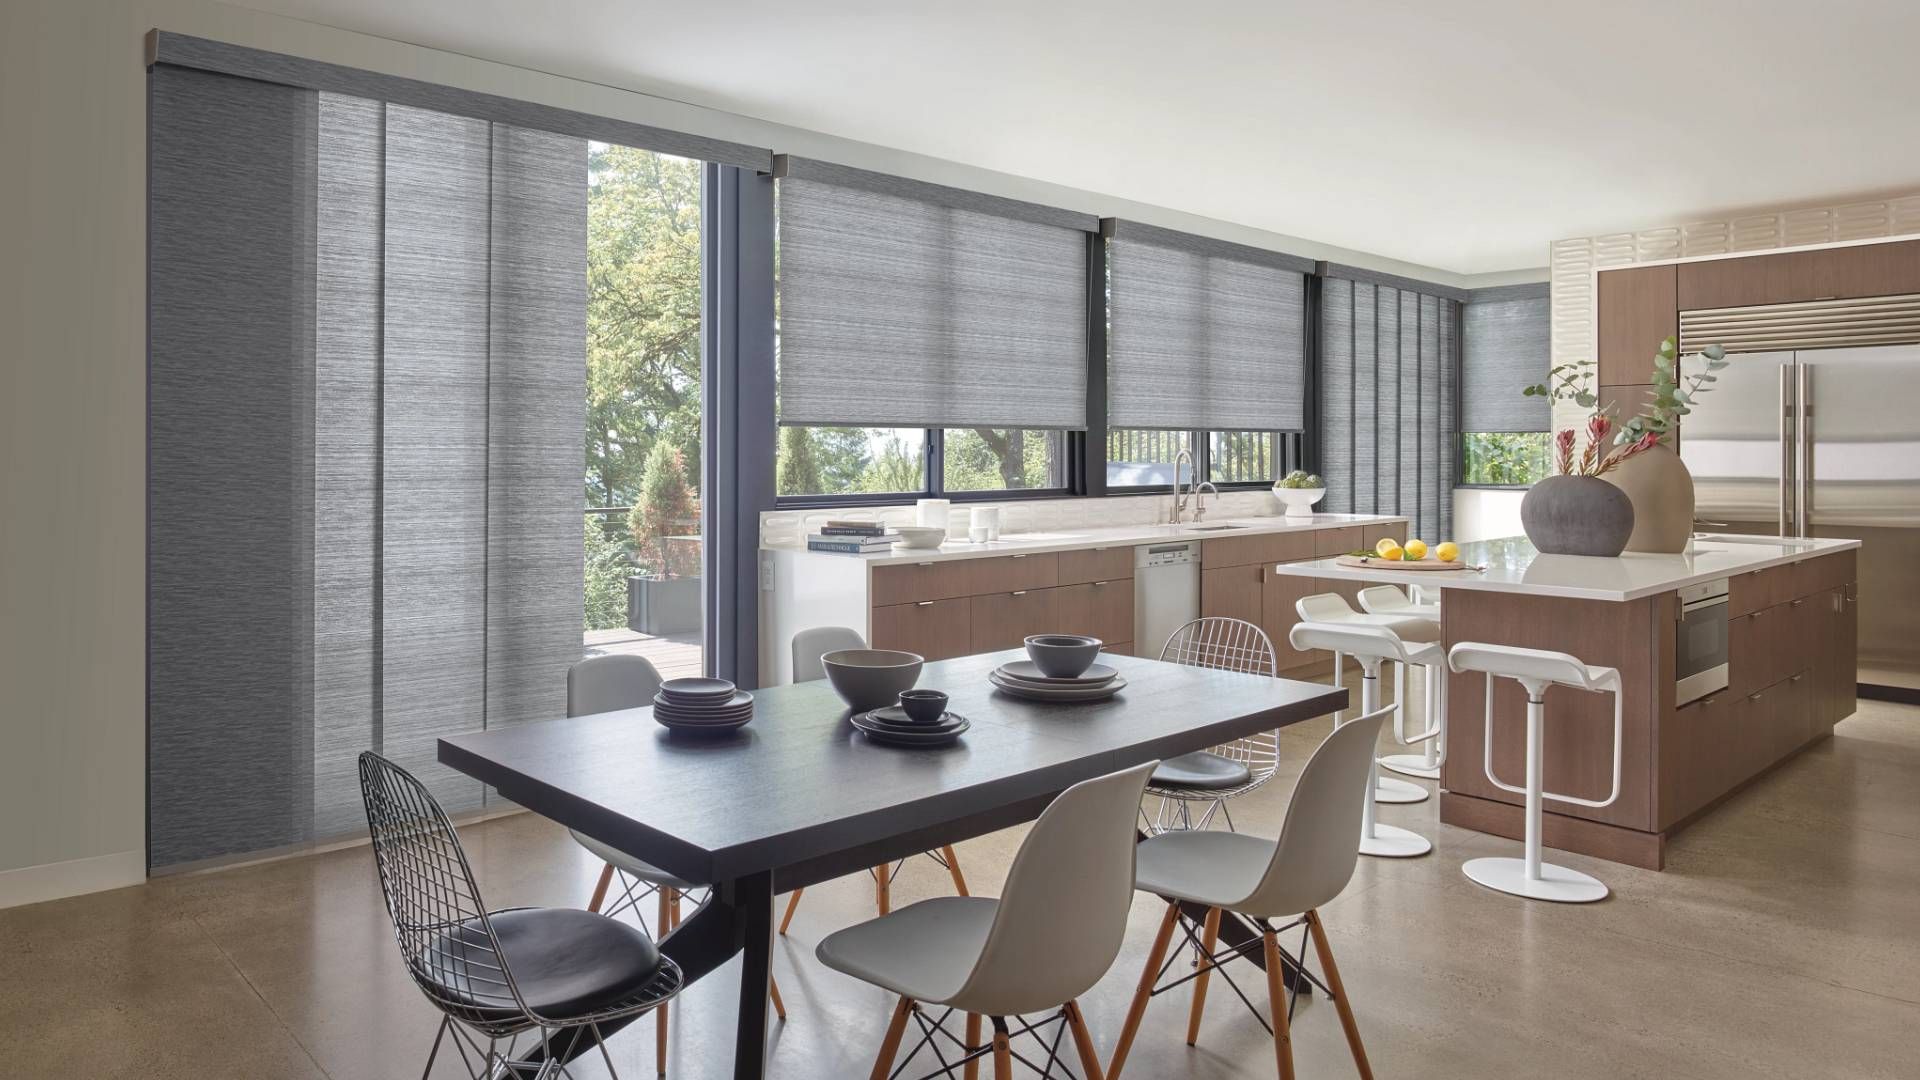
(1299, 501)
(919, 536)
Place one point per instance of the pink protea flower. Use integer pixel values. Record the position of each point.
(1644, 442)
(1563, 451)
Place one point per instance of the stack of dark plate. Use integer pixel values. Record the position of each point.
(1024, 679)
(702, 706)
(894, 727)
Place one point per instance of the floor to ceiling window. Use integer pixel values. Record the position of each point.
(643, 431)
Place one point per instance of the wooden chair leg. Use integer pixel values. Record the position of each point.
(660, 1014)
(1002, 1050)
(971, 1071)
(953, 867)
(600, 889)
(1083, 1042)
(1209, 939)
(1325, 950)
(773, 995)
(673, 906)
(1277, 1006)
(793, 905)
(1138, 1009)
(889, 1046)
(883, 888)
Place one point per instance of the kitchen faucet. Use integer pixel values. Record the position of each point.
(1194, 484)
(1199, 491)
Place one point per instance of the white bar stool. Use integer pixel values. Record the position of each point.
(1537, 669)
(1389, 600)
(1333, 609)
(1372, 646)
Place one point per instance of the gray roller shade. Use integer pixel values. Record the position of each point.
(1204, 334)
(1504, 349)
(368, 388)
(905, 304)
(1389, 365)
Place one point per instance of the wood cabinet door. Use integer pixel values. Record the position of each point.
(1004, 620)
(1232, 592)
(1102, 609)
(1847, 273)
(1743, 282)
(1638, 308)
(1279, 593)
(1691, 757)
(936, 629)
(1328, 542)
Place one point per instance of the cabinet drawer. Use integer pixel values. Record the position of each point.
(936, 629)
(1822, 573)
(1335, 541)
(914, 583)
(1260, 548)
(1094, 564)
(1004, 620)
(1373, 534)
(1758, 589)
(1012, 572)
(1755, 642)
(1097, 609)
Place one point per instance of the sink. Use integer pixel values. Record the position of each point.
(1209, 528)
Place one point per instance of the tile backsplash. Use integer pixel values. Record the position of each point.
(1021, 515)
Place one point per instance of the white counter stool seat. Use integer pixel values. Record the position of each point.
(808, 647)
(1536, 670)
(1264, 880)
(1333, 608)
(1231, 769)
(1054, 931)
(1372, 646)
(1389, 600)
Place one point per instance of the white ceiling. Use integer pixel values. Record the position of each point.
(1458, 134)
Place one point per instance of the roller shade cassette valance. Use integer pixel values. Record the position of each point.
(907, 304)
(1504, 349)
(1204, 334)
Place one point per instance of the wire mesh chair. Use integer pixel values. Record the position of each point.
(458, 952)
(1211, 777)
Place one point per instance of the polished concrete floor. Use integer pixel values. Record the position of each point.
(1783, 941)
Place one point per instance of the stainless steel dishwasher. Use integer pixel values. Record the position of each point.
(1166, 593)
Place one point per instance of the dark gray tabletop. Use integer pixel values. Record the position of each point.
(799, 786)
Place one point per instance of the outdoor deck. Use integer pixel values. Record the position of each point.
(675, 656)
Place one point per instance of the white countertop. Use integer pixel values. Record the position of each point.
(1512, 565)
(1105, 536)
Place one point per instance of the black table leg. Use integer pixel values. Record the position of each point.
(753, 900)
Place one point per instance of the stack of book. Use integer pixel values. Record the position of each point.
(850, 537)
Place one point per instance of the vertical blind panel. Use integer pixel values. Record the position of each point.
(537, 423)
(1504, 350)
(1388, 394)
(228, 541)
(897, 312)
(1204, 341)
(346, 557)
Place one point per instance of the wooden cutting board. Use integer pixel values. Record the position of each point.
(1375, 562)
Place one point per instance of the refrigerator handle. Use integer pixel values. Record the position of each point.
(1787, 429)
(1802, 444)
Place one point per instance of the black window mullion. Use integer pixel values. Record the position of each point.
(935, 458)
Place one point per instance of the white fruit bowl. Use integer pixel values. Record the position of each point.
(1299, 501)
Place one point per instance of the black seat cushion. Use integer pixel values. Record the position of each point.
(566, 962)
(1202, 770)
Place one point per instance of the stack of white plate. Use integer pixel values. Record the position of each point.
(701, 705)
(1023, 679)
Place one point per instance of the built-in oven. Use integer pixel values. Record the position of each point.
(1700, 648)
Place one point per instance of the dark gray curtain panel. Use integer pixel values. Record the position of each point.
(1389, 396)
(905, 304)
(1204, 334)
(409, 511)
(1504, 349)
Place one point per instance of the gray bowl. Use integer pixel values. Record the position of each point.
(871, 678)
(1063, 656)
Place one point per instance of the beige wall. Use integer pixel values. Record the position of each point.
(72, 335)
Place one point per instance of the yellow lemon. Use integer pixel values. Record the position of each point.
(1448, 551)
(1386, 544)
(1393, 554)
(1416, 550)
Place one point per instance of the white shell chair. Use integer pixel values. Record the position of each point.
(1231, 769)
(1333, 608)
(1054, 931)
(608, 684)
(809, 646)
(1265, 880)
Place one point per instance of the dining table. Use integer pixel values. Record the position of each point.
(799, 796)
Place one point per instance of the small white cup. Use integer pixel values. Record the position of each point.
(979, 534)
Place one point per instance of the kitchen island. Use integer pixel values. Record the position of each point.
(1788, 641)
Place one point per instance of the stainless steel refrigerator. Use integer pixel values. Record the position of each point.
(1825, 443)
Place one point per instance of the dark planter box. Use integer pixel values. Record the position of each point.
(661, 606)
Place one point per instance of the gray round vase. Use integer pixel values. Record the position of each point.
(1661, 489)
(1577, 515)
